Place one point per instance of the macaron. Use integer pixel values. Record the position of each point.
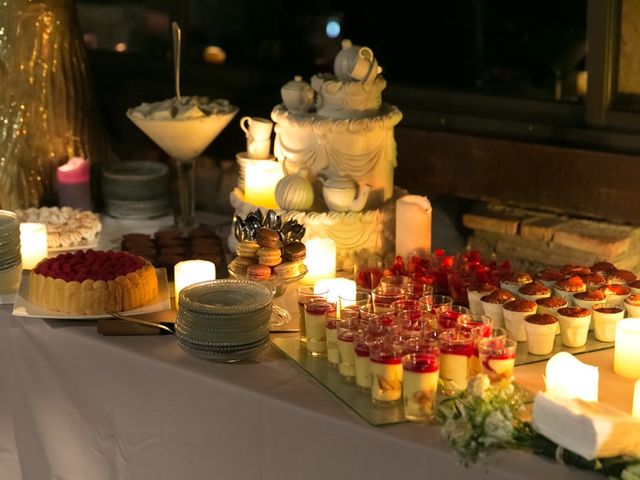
(269, 256)
(239, 265)
(294, 252)
(258, 272)
(289, 269)
(267, 237)
(247, 248)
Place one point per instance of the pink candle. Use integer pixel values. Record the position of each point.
(73, 184)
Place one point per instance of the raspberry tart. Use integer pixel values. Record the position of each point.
(93, 282)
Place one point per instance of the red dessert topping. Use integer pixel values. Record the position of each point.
(591, 296)
(498, 296)
(521, 306)
(465, 349)
(549, 275)
(541, 319)
(345, 336)
(622, 275)
(574, 312)
(571, 284)
(534, 288)
(448, 319)
(387, 359)
(552, 302)
(361, 348)
(90, 264)
(424, 363)
(319, 308)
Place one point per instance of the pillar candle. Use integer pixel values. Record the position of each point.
(626, 357)
(260, 180)
(192, 271)
(568, 377)
(320, 260)
(74, 187)
(413, 226)
(337, 287)
(33, 244)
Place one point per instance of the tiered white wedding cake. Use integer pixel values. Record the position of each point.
(335, 141)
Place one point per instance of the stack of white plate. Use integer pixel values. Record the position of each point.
(10, 259)
(136, 189)
(224, 320)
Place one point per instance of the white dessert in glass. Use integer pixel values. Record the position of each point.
(514, 281)
(574, 325)
(514, 313)
(541, 333)
(315, 318)
(632, 305)
(346, 367)
(567, 287)
(420, 385)
(492, 305)
(475, 293)
(331, 333)
(605, 318)
(498, 357)
(385, 355)
(362, 362)
(534, 291)
(456, 350)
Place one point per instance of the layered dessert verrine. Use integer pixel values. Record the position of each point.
(632, 305)
(361, 340)
(514, 313)
(447, 315)
(567, 287)
(385, 355)
(574, 325)
(347, 365)
(514, 281)
(315, 318)
(456, 350)
(605, 318)
(541, 333)
(534, 291)
(492, 305)
(549, 276)
(498, 357)
(475, 292)
(420, 385)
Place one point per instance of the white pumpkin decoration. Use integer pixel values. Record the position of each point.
(294, 192)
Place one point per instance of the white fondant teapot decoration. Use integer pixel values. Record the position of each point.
(294, 192)
(297, 95)
(341, 192)
(355, 63)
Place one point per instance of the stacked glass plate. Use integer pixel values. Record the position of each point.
(10, 259)
(224, 320)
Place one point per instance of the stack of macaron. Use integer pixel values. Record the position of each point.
(266, 257)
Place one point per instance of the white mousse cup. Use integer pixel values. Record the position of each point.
(474, 296)
(551, 307)
(605, 318)
(617, 293)
(574, 325)
(632, 305)
(582, 300)
(514, 315)
(541, 333)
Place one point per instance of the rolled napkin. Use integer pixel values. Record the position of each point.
(590, 429)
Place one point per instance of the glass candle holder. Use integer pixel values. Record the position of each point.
(420, 384)
(456, 350)
(358, 299)
(385, 354)
(394, 281)
(305, 294)
(370, 309)
(497, 357)
(386, 296)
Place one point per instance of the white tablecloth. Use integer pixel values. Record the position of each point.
(76, 405)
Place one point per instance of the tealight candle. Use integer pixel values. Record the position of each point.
(192, 271)
(260, 180)
(33, 244)
(337, 287)
(568, 377)
(320, 260)
(636, 400)
(626, 357)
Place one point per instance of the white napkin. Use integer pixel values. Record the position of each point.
(589, 429)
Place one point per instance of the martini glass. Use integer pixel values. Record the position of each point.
(184, 139)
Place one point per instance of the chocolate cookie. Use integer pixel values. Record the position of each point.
(268, 238)
(294, 251)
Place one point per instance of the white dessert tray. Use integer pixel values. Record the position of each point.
(23, 308)
(93, 243)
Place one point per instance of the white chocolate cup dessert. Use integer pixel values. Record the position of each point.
(386, 380)
(616, 293)
(548, 277)
(634, 287)
(605, 318)
(492, 305)
(475, 293)
(621, 277)
(567, 287)
(514, 315)
(632, 305)
(515, 281)
(541, 333)
(551, 305)
(534, 291)
(574, 325)
(588, 299)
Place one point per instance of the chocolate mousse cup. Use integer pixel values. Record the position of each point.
(492, 305)
(567, 287)
(574, 325)
(632, 305)
(515, 281)
(541, 333)
(588, 299)
(605, 318)
(549, 276)
(617, 293)
(621, 277)
(475, 293)
(551, 306)
(514, 315)
(534, 291)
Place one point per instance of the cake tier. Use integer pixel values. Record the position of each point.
(89, 283)
(338, 99)
(367, 232)
(362, 148)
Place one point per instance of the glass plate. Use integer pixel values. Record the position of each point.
(223, 357)
(23, 308)
(225, 297)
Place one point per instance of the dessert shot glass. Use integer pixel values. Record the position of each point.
(360, 298)
(447, 315)
(416, 290)
(456, 350)
(497, 357)
(370, 309)
(431, 302)
(361, 340)
(387, 295)
(394, 281)
(385, 355)
(420, 375)
(347, 366)
(315, 318)
(333, 355)
(304, 294)
(405, 304)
